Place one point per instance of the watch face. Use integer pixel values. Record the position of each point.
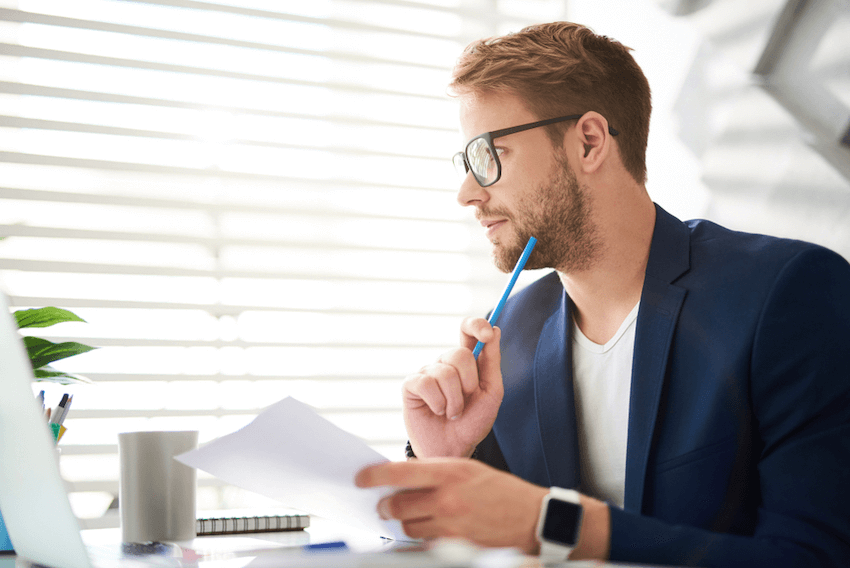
(561, 523)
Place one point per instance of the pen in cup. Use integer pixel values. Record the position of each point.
(65, 410)
(56, 415)
(514, 275)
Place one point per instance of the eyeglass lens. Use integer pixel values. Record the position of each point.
(480, 159)
(460, 165)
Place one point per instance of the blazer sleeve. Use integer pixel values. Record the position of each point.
(800, 394)
(488, 451)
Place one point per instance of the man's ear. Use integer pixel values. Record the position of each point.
(592, 141)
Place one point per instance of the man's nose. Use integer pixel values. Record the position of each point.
(470, 193)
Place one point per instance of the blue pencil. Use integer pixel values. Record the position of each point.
(520, 264)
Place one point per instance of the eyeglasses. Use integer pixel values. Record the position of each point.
(482, 158)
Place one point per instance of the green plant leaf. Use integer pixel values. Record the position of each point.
(41, 351)
(49, 374)
(44, 317)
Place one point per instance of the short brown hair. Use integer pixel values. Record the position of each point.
(564, 68)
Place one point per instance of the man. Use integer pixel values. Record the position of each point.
(692, 383)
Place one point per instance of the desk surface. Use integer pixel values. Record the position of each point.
(320, 531)
(285, 550)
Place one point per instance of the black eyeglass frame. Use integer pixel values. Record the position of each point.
(488, 137)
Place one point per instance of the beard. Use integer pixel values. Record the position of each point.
(557, 213)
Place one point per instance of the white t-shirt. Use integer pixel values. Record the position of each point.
(602, 376)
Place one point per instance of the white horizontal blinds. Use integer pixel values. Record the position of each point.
(246, 200)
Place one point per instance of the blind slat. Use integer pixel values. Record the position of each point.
(22, 16)
(208, 242)
(294, 17)
(327, 347)
(91, 268)
(217, 309)
(217, 412)
(120, 63)
(336, 118)
(39, 124)
(204, 173)
(116, 377)
(16, 193)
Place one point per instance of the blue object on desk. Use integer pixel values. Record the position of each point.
(335, 546)
(5, 542)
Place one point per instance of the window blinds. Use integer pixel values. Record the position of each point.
(246, 200)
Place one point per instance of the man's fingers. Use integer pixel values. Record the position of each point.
(417, 474)
(462, 361)
(421, 390)
(490, 363)
(450, 383)
(408, 504)
(473, 330)
(423, 528)
(438, 386)
(453, 392)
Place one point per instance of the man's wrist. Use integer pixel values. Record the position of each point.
(594, 541)
(410, 454)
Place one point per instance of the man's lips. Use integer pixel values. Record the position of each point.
(492, 225)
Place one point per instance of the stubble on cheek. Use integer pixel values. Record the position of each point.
(558, 214)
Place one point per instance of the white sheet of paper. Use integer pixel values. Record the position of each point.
(291, 454)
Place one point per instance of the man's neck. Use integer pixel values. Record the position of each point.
(605, 293)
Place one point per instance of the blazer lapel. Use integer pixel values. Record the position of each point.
(553, 392)
(660, 305)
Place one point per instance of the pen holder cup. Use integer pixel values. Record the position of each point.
(156, 492)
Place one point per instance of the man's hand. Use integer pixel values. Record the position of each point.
(446, 497)
(450, 405)
(451, 497)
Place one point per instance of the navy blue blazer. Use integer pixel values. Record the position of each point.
(739, 420)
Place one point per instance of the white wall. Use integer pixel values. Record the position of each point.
(720, 145)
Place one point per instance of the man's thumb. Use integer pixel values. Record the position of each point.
(490, 363)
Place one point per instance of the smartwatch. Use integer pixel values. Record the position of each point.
(559, 525)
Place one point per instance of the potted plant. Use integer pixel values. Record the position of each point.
(42, 352)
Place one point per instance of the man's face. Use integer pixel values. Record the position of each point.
(537, 195)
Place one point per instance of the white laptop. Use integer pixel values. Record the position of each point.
(33, 501)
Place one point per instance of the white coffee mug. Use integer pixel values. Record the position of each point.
(157, 493)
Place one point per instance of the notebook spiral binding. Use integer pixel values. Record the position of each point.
(239, 525)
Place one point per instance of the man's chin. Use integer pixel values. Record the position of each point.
(505, 258)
